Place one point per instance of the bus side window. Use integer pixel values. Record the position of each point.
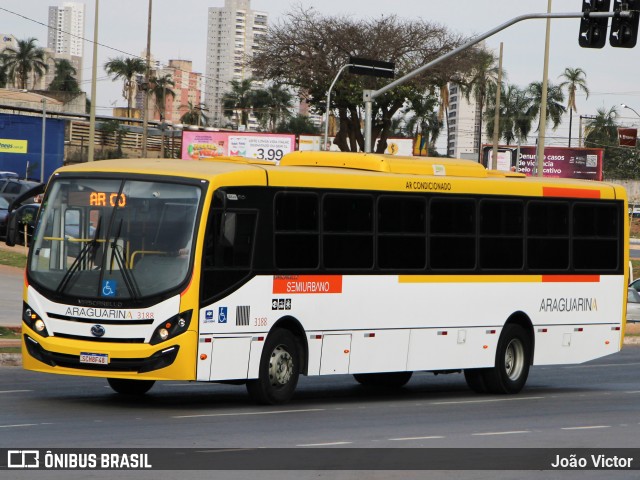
(227, 258)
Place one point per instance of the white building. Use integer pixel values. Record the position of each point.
(464, 121)
(234, 33)
(66, 33)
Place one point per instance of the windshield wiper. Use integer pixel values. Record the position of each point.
(129, 280)
(75, 266)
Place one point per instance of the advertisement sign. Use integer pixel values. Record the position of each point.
(559, 162)
(627, 137)
(8, 145)
(259, 146)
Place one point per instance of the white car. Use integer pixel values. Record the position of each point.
(633, 305)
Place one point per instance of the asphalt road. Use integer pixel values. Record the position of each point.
(595, 405)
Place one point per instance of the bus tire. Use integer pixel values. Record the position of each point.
(278, 371)
(130, 387)
(383, 380)
(475, 379)
(513, 357)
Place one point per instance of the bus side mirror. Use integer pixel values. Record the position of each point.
(228, 230)
(12, 229)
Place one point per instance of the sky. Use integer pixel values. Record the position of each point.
(179, 31)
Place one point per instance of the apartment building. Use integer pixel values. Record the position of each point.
(234, 33)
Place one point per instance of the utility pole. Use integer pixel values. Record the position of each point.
(496, 119)
(145, 116)
(94, 74)
(543, 103)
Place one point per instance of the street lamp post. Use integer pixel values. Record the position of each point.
(627, 106)
(326, 123)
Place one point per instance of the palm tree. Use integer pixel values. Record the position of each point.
(126, 69)
(483, 74)
(271, 105)
(574, 79)
(194, 114)
(555, 97)
(514, 121)
(602, 130)
(162, 88)
(22, 61)
(425, 120)
(64, 79)
(239, 99)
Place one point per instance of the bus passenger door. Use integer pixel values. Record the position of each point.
(336, 353)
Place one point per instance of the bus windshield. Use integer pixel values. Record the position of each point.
(114, 239)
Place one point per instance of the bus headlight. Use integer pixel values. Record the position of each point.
(172, 327)
(33, 320)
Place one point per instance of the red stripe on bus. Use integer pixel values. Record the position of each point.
(571, 278)
(570, 192)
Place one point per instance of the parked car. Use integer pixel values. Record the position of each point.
(635, 285)
(633, 305)
(4, 213)
(10, 188)
(9, 175)
(26, 216)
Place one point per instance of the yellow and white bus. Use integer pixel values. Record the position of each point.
(328, 263)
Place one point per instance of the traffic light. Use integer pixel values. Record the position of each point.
(593, 31)
(624, 31)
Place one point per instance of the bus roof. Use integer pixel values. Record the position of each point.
(358, 171)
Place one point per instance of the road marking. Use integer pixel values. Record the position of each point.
(322, 444)
(591, 427)
(15, 391)
(602, 365)
(514, 432)
(249, 413)
(19, 425)
(635, 391)
(486, 401)
(415, 438)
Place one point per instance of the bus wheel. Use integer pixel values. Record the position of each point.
(513, 358)
(130, 387)
(383, 380)
(279, 370)
(475, 379)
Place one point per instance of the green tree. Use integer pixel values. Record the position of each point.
(602, 130)
(112, 129)
(238, 101)
(425, 119)
(271, 105)
(126, 69)
(574, 79)
(514, 122)
(64, 79)
(160, 89)
(555, 108)
(298, 125)
(477, 84)
(194, 114)
(28, 59)
(306, 50)
(4, 78)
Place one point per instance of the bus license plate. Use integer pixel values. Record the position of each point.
(94, 358)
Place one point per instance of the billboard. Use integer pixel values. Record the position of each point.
(395, 146)
(21, 145)
(260, 146)
(559, 162)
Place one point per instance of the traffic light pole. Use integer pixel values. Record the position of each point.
(370, 95)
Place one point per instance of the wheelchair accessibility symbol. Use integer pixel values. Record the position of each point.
(109, 288)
